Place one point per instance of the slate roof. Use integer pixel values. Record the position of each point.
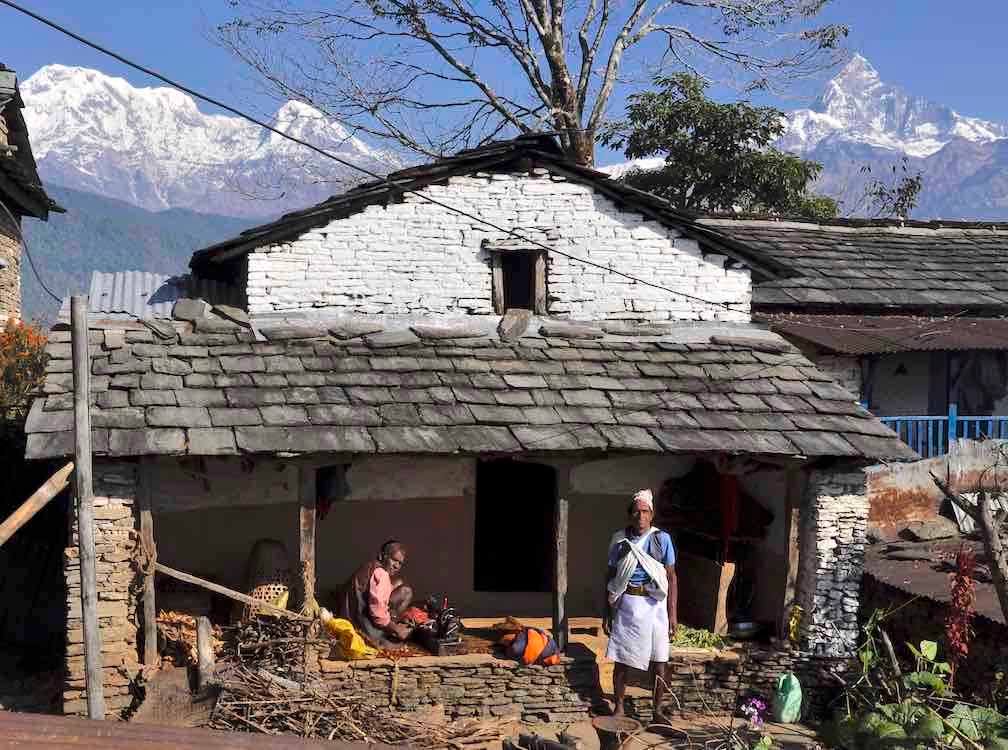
(521, 153)
(211, 386)
(848, 267)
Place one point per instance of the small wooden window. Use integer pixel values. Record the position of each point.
(519, 281)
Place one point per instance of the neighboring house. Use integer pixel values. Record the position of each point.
(436, 380)
(21, 193)
(911, 317)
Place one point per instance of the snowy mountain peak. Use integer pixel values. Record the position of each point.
(154, 148)
(858, 106)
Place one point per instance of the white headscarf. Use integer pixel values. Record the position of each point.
(646, 497)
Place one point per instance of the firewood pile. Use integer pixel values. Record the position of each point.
(267, 687)
(177, 632)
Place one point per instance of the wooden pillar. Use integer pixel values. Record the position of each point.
(150, 650)
(792, 526)
(560, 625)
(94, 677)
(307, 538)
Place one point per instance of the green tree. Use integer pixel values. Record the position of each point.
(718, 157)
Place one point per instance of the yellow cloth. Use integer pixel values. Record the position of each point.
(349, 644)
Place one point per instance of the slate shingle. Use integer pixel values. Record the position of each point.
(223, 395)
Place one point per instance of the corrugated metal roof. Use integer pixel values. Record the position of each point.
(142, 294)
(879, 334)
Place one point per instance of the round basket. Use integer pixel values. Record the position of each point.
(269, 572)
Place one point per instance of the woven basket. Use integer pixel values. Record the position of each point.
(269, 572)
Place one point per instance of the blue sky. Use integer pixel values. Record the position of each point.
(954, 53)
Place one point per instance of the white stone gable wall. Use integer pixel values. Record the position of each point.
(418, 258)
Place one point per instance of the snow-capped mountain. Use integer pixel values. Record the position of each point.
(153, 148)
(858, 106)
(860, 121)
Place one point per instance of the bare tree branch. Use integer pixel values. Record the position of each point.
(435, 75)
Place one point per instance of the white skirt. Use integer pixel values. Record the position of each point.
(640, 632)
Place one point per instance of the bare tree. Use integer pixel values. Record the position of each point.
(436, 76)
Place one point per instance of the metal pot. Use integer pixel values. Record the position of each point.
(744, 630)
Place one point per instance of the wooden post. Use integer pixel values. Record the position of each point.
(27, 510)
(204, 652)
(94, 678)
(560, 629)
(307, 537)
(792, 526)
(150, 651)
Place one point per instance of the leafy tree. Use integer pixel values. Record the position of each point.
(436, 76)
(896, 195)
(718, 157)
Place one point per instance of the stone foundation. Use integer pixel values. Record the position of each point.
(473, 685)
(118, 591)
(704, 681)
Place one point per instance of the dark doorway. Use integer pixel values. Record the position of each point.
(515, 506)
(519, 280)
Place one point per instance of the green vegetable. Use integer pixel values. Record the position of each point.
(687, 637)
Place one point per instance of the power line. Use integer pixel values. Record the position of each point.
(363, 170)
(31, 261)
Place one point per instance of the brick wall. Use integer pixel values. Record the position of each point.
(472, 685)
(834, 521)
(10, 277)
(418, 258)
(115, 488)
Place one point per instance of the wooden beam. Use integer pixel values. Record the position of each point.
(307, 540)
(560, 625)
(150, 650)
(39, 499)
(539, 305)
(229, 593)
(497, 282)
(204, 652)
(94, 678)
(792, 525)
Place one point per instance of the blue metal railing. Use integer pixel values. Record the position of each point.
(930, 436)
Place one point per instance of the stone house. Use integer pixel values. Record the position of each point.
(911, 317)
(21, 193)
(445, 382)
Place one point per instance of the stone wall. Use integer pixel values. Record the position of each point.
(923, 619)
(704, 681)
(473, 685)
(10, 277)
(115, 487)
(418, 258)
(834, 521)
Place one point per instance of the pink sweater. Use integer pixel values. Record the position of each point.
(379, 591)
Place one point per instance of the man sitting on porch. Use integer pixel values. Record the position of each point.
(641, 594)
(376, 596)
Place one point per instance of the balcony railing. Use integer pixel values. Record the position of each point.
(930, 436)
